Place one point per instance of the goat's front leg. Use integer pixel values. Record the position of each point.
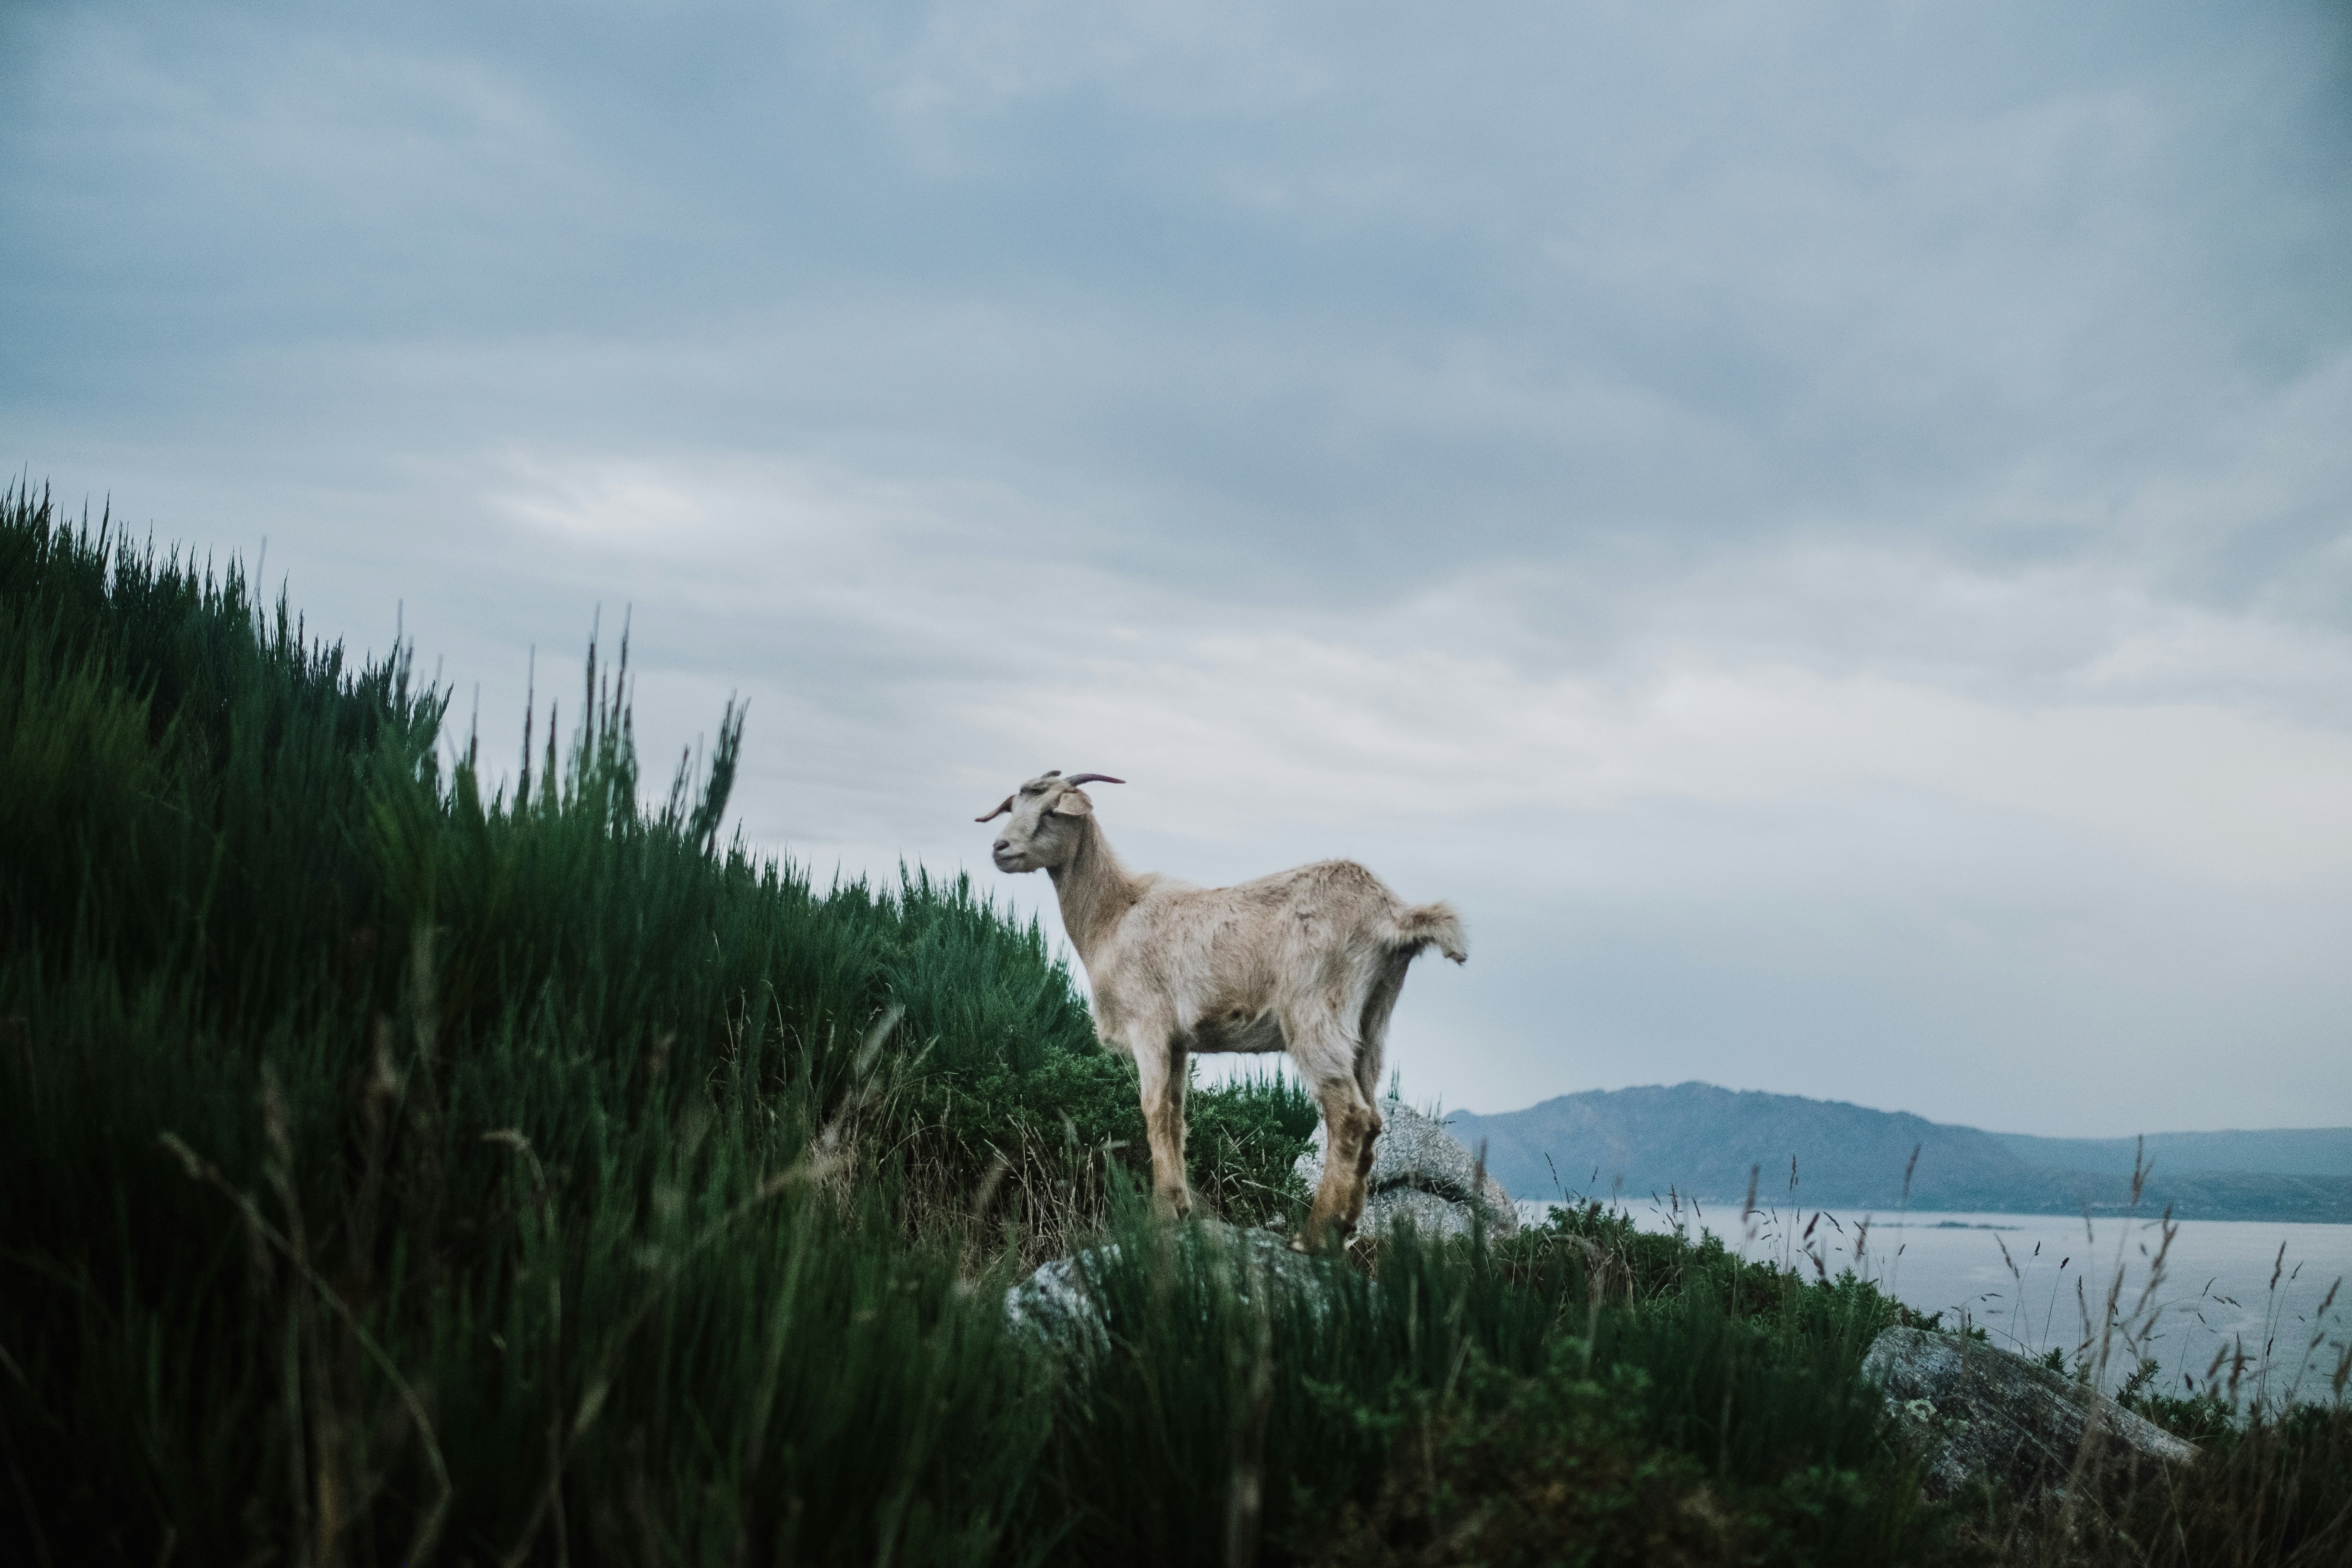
(1164, 1067)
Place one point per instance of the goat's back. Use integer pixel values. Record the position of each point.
(1257, 937)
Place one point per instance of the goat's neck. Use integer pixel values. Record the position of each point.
(1095, 889)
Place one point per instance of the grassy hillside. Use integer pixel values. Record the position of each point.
(1699, 1140)
(399, 1167)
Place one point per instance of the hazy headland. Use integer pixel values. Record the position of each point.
(1722, 1146)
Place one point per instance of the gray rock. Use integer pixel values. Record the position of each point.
(1422, 1172)
(1425, 1212)
(1057, 1305)
(1061, 1304)
(1978, 1412)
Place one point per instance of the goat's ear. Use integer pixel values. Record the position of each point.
(1000, 811)
(1074, 803)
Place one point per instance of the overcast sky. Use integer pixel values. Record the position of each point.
(1825, 530)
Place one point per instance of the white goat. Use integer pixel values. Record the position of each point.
(1308, 960)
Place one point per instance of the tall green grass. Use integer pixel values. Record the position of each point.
(515, 1122)
(406, 1161)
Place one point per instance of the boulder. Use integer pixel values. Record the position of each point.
(1421, 1172)
(1057, 1305)
(1060, 1304)
(1981, 1412)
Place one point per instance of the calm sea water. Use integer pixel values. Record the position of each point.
(2038, 1282)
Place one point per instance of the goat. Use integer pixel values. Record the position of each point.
(1308, 960)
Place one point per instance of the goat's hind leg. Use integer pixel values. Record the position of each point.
(1350, 1125)
(1328, 1062)
(1373, 1039)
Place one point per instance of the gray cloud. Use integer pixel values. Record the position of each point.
(1829, 531)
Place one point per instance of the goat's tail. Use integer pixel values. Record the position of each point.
(1432, 925)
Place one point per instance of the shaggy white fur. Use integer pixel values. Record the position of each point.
(1308, 960)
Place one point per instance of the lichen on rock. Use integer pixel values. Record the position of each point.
(1981, 1413)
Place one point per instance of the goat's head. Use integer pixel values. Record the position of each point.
(1045, 825)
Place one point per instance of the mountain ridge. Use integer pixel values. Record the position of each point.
(1702, 1140)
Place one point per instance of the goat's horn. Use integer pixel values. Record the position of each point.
(1092, 778)
(1000, 811)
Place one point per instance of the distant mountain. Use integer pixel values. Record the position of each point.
(1704, 1142)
